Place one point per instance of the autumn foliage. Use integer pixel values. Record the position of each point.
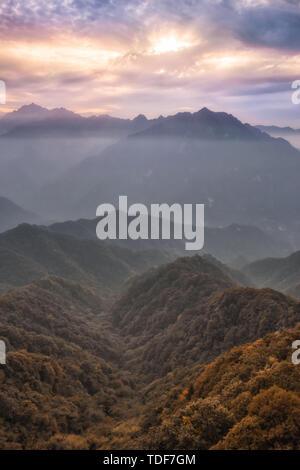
(186, 358)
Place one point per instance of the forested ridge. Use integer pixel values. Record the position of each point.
(29, 252)
(249, 398)
(179, 360)
(193, 310)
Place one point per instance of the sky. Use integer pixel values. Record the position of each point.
(153, 57)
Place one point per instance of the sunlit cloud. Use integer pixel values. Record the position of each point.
(126, 57)
(170, 42)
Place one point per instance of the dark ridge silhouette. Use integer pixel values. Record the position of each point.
(35, 121)
(247, 178)
(204, 124)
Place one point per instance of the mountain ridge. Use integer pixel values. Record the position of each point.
(279, 273)
(76, 380)
(34, 118)
(235, 244)
(204, 124)
(11, 214)
(195, 302)
(29, 252)
(247, 399)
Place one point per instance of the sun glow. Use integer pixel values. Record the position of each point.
(59, 54)
(170, 43)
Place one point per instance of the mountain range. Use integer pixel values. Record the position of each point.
(236, 244)
(84, 374)
(203, 124)
(228, 166)
(33, 120)
(30, 252)
(203, 157)
(291, 134)
(134, 345)
(279, 273)
(273, 130)
(195, 302)
(36, 121)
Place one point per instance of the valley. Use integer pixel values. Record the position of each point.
(140, 344)
(148, 367)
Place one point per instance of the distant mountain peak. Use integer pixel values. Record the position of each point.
(26, 111)
(140, 118)
(204, 124)
(33, 111)
(34, 120)
(27, 108)
(62, 110)
(205, 110)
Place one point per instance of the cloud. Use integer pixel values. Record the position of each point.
(268, 26)
(152, 56)
(268, 23)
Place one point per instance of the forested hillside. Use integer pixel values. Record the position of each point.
(279, 273)
(249, 398)
(30, 252)
(192, 310)
(62, 373)
(83, 372)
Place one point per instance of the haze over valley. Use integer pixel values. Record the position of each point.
(121, 124)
